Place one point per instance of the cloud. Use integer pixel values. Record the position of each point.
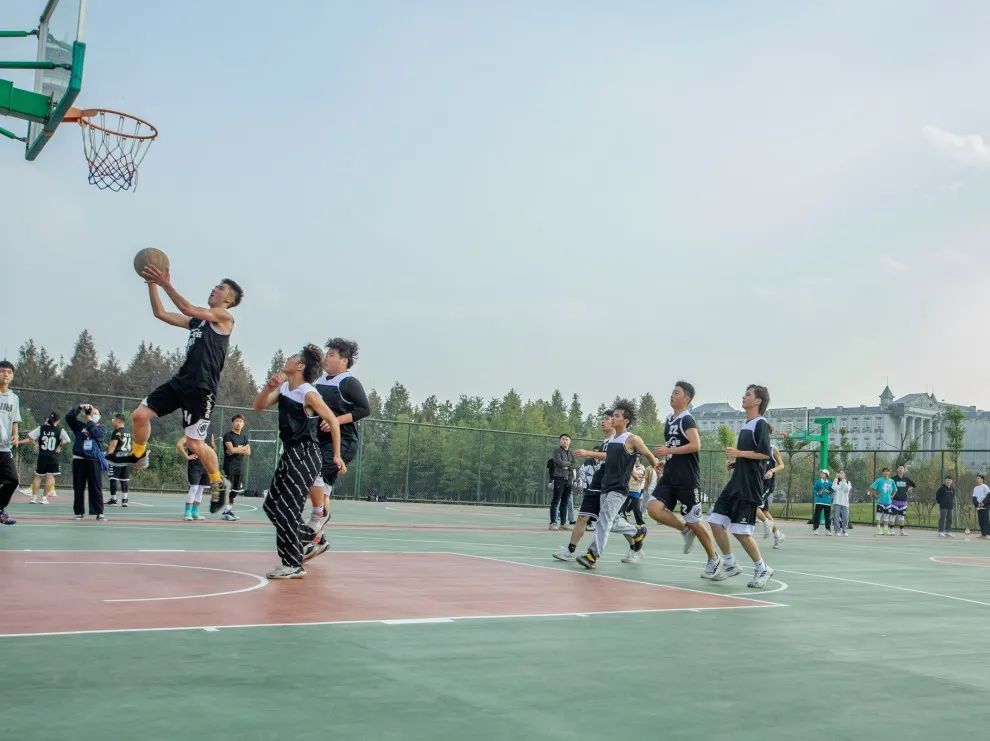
(967, 149)
(893, 264)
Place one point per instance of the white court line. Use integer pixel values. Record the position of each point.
(624, 579)
(863, 582)
(260, 579)
(985, 559)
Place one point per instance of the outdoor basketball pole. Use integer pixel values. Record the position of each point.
(821, 438)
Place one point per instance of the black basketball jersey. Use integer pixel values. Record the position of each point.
(596, 477)
(123, 441)
(747, 480)
(618, 466)
(344, 394)
(294, 425)
(48, 441)
(206, 352)
(680, 470)
(770, 484)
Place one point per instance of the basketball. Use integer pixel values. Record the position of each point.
(150, 257)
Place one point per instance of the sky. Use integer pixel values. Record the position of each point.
(597, 197)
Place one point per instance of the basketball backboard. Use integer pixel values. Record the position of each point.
(60, 35)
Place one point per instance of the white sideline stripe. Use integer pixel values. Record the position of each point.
(417, 621)
(261, 581)
(385, 622)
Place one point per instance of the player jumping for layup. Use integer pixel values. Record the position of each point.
(194, 388)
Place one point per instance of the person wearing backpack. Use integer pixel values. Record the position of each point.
(87, 449)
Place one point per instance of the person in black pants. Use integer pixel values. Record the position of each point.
(562, 475)
(981, 499)
(86, 470)
(946, 498)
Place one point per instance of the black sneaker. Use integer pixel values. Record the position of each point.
(110, 503)
(6, 519)
(314, 549)
(218, 496)
(638, 538)
(589, 560)
(123, 503)
(128, 459)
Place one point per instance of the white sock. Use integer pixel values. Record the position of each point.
(760, 566)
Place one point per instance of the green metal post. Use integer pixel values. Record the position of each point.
(360, 468)
(23, 104)
(481, 448)
(408, 455)
(17, 34)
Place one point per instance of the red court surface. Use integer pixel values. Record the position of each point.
(85, 591)
(963, 560)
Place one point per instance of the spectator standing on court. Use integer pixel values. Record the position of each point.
(235, 448)
(10, 420)
(841, 489)
(945, 497)
(822, 491)
(562, 475)
(981, 499)
(633, 503)
(86, 471)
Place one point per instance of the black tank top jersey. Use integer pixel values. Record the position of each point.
(344, 394)
(680, 470)
(123, 441)
(206, 352)
(294, 425)
(48, 440)
(596, 477)
(770, 483)
(618, 465)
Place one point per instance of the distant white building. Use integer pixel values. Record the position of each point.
(889, 426)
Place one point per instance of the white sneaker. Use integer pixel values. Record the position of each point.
(903, 533)
(689, 538)
(711, 567)
(845, 534)
(554, 526)
(633, 557)
(563, 554)
(316, 524)
(760, 580)
(287, 572)
(724, 573)
(828, 533)
(778, 539)
(44, 500)
(33, 500)
(814, 532)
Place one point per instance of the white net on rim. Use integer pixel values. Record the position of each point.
(115, 144)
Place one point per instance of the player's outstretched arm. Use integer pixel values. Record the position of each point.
(597, 455)
(176, 320)
(329, 424)
(269, 393)
(640, 447)
(218, 315)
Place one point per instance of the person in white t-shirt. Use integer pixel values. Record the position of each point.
(840, 504)
(981, 498)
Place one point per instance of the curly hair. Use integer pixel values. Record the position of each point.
(312, 360)
(347, 349)
(628, 409)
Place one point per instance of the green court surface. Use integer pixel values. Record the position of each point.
(445, 622)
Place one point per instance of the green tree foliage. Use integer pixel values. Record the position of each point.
(955, 432)
(83, 371)
(237, 386)
(277, 364)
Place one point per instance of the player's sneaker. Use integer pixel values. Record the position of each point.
(6, 519)
(778, 538)
(287, 572)
(902, 532)
(828, 533)
(123, 502)
(590, 528)
(711, 568)
(110, 502)
(565, 526)
(187, 515)
(44, 500)
(77, 517)
(33, 500)
(312, 550)
(760, 578)
(949, 535)
(725, 572)
(638, 538)
(218, 496)
(102, 518)
(564, 554)
(229, 516)
(633, 557)
(589, 560)
(317, 523)
(554, 526)
(689, 538)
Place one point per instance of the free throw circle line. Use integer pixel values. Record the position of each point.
(261, 581)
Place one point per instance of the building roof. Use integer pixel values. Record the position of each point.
(720, 406)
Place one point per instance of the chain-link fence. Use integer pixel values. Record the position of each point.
(423, 462)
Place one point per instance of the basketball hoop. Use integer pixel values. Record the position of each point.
(115, 143)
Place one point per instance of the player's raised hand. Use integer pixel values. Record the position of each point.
(158, 277)
(277, 380)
